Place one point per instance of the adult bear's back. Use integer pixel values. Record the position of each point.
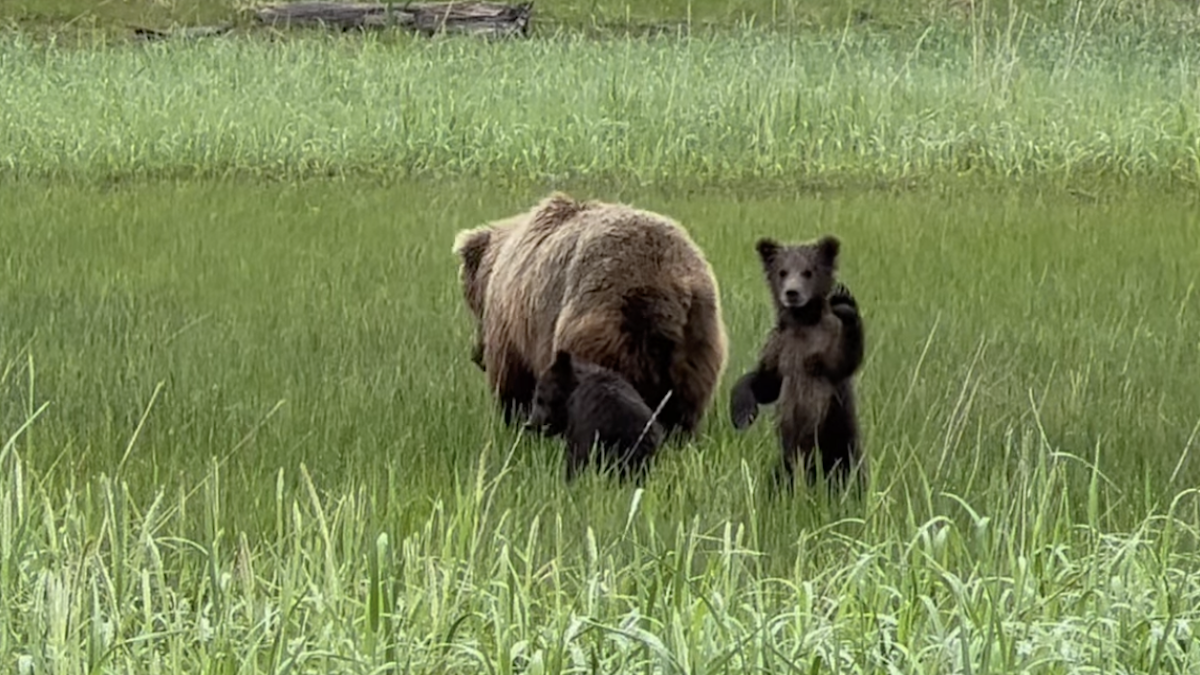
(622, 287)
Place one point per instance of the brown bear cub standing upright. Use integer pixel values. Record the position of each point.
(808, 361)
(592, 406)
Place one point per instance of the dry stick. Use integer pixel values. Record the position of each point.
(654, 416)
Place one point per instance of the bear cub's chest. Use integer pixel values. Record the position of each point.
(801, 345)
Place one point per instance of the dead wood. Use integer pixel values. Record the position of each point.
(480, 18)
(189, 33)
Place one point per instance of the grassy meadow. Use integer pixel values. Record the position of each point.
(70, 19)
(240, 431)
(745, 107)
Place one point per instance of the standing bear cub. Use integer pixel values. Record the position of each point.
(808, 361)
(592, 406)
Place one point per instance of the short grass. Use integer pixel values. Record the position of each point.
(1067, 107)
(241, 433)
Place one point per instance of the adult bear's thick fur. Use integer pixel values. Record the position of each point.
(620, 287)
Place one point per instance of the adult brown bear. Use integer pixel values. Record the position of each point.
(620, 287)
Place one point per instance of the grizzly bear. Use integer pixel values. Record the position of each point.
(808, 361)
(595, 408)
(619, 287)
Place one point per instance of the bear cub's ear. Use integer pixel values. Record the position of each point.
(563, 368)
(767, 248)
(829, 246)
(562, 360)
(470, 245)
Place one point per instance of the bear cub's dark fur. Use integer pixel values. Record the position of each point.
(590, 405)
(808, 361)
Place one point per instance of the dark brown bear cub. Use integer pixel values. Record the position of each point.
(592, 406)
(808, 361)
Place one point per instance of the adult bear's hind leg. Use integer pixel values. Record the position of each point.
(697, 364)
(513, 384)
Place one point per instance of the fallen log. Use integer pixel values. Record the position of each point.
(479, 18)
(188, 33)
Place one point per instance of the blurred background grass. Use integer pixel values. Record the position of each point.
(114, 16)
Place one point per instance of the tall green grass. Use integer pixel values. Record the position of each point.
(997, 100)
(241, 433)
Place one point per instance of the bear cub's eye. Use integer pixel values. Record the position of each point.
(807, 274)
(782, 274)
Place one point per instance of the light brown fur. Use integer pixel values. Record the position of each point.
(624, 288)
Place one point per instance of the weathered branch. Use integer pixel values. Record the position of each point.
(484, 18)
(190, 33)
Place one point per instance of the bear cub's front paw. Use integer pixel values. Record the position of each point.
(743, 407)
(841, 296)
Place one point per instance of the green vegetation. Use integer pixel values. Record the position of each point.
(1054, 106)
(240, 432)
(113, 19)
(234, 391)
